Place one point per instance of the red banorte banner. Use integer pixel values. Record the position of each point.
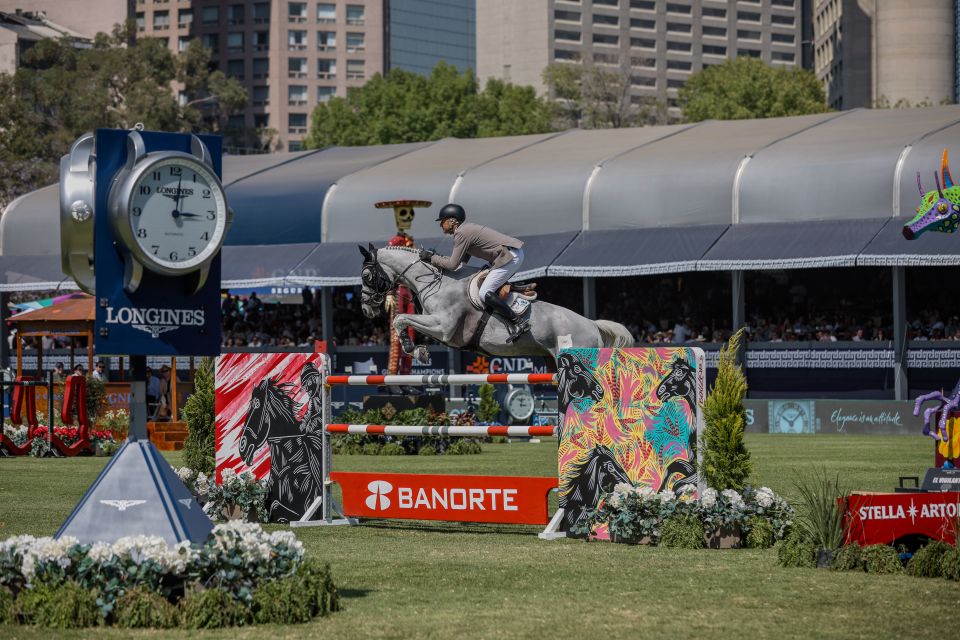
(884, 518)
(501, 499)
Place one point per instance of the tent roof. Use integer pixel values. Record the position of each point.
(853, 166)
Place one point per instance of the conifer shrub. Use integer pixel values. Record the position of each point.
(726, 460)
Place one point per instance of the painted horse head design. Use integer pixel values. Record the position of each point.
(599, 473)
(271, 413)
(939, 210)
(575, 382)
(680, 382)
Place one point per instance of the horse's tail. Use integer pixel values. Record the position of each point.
(614, 334)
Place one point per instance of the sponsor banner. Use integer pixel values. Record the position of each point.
(883, 518)
(499, 499)
(859, 417)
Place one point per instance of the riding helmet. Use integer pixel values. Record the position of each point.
(454, 211)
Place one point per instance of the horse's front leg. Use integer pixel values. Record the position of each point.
(428, 325)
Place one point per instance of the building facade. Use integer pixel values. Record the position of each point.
(661, 42)
(886, 52)
(421, 33)
(19, 31)
(289, 55)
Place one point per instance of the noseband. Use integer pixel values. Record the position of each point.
(378, 282)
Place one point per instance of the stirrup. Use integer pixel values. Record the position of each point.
(517, 330)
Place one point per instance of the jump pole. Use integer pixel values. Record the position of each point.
(331, 511)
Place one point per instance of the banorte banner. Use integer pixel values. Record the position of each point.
(456, 498)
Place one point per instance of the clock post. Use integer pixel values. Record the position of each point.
(154, 208)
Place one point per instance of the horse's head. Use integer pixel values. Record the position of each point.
(376, 284)
(269, 407)
(607, 471)
(679, 382)
(575, 382)
(939, 210)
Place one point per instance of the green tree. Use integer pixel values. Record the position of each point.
(745, 87)
(726, 461)
(590, 96)
(199, 450)
(406, 107)
(61, 91)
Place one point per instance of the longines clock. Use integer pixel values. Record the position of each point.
(168, 212)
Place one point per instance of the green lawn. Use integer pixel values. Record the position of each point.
(446, 580)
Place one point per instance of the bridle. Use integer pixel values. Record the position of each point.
(380, 284)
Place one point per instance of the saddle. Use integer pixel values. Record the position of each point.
(518, 296)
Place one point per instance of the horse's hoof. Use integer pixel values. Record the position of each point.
(422, 355)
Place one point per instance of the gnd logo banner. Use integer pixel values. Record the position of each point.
(501, 499)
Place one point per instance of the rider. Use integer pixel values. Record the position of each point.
(504, 253)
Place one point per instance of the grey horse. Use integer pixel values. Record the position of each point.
(448, 316)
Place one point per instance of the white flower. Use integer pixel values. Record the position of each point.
(765, 497)
(616, 500)
(709, 498)
(732, 496)
(623, 488)
(667, 496)
(100, 552)
(645, 493)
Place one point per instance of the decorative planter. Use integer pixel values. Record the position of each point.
(614, 537)
(724, 538)
(236, 513)
(824, 558)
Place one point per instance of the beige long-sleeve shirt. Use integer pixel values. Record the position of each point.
(479, 241)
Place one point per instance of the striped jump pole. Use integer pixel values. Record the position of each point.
(453, 378)
(331, 513)
(461, 431)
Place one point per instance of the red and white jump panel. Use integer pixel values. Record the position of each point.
(454, 378)
(464, 431)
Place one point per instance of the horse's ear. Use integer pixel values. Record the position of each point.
(371, 247)
(363, 252)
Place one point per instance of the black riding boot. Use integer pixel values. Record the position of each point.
(515, 324)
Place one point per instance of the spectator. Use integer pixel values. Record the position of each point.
(153, 392)
(79, 370)
(99, 372)
(58, 373)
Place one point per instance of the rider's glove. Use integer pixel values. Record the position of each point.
(426, 254)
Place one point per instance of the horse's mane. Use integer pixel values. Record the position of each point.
(277, 401)
(391, 247)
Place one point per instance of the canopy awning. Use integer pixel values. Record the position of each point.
(890, 249)
(283, 204)
(33, 273)
(791, 245)
(261, 265)
(636, 252)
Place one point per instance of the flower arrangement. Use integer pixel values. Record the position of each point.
(102, 439)
(237, 493)
(637, 513)
(237, 559)
(117, 422)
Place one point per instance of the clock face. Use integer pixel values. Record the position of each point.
(520, 404)
(177, 213)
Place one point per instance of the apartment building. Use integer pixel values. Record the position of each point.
(421, 33)
(290, 56)
(661, 42)
(881, 52)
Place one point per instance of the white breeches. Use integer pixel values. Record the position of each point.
(499, 276)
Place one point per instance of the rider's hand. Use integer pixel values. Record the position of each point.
(426, 254)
